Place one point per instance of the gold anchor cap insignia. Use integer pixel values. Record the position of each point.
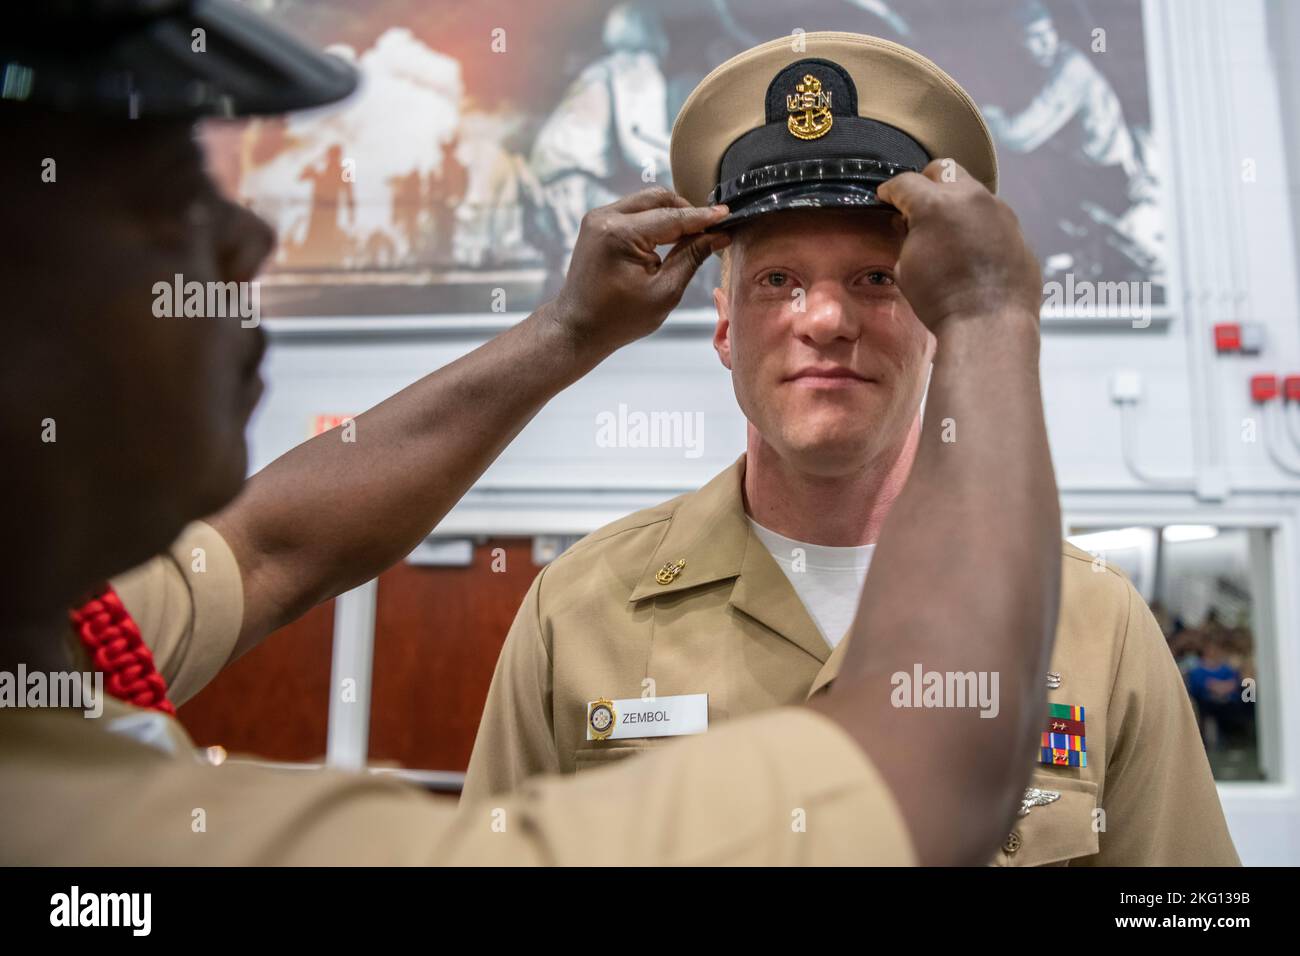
(810, 109)
(668, 573)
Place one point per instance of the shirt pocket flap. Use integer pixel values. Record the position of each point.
(1054, 832)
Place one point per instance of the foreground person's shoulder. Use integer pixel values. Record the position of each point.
(784, 787)
(188, 603)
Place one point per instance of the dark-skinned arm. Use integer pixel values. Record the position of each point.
(966, 572)
(330, 515)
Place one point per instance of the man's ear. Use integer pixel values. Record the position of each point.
(722, 331)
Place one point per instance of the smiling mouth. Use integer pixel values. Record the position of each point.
(830, 377)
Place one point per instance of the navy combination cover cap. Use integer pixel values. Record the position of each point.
(161, 59)
(819, 120)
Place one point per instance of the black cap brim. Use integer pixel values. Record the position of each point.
(806, 184)
(241, 64)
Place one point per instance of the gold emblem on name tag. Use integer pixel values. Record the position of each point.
(668, 573)
(602, 718)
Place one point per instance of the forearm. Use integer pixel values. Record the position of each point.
(331, 514)
(1025, 132)
(1051, 109)
(964, 579)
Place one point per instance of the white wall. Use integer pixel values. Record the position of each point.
(1215, 100)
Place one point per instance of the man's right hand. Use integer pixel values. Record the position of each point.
(964, 255)
(618, 288)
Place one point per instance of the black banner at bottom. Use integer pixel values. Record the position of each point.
(585, 906)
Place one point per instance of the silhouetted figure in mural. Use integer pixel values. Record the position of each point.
(326, 242)
(446, 192)
(408, 214)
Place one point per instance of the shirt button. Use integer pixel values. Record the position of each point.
(1012, 843)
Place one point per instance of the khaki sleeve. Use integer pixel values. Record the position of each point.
(785, 787)
(516, 736)
(189, 606)
(781, 788)
(1161, 805)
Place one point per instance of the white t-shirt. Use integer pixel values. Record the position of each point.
(827, 580)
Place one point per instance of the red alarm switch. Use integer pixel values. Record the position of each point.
(1291, 388)
(1227, 337)
(1263, 388)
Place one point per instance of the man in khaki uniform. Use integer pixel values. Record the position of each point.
(143, 419)
(742, 591)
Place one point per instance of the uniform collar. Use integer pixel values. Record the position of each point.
(709, 530)
(120, 725)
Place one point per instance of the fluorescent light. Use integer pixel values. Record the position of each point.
(1190, 532)
(1119, 539)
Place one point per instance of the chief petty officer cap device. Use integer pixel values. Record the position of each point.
(145, 59)
(819, 120)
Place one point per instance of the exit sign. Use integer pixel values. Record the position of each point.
(324, 423)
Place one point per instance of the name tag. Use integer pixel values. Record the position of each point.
(653, 717)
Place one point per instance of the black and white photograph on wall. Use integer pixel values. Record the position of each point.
(454, 182)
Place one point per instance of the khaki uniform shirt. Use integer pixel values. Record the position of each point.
(78, 791)
(597, 624)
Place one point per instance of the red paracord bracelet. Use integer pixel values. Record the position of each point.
(113, 641)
